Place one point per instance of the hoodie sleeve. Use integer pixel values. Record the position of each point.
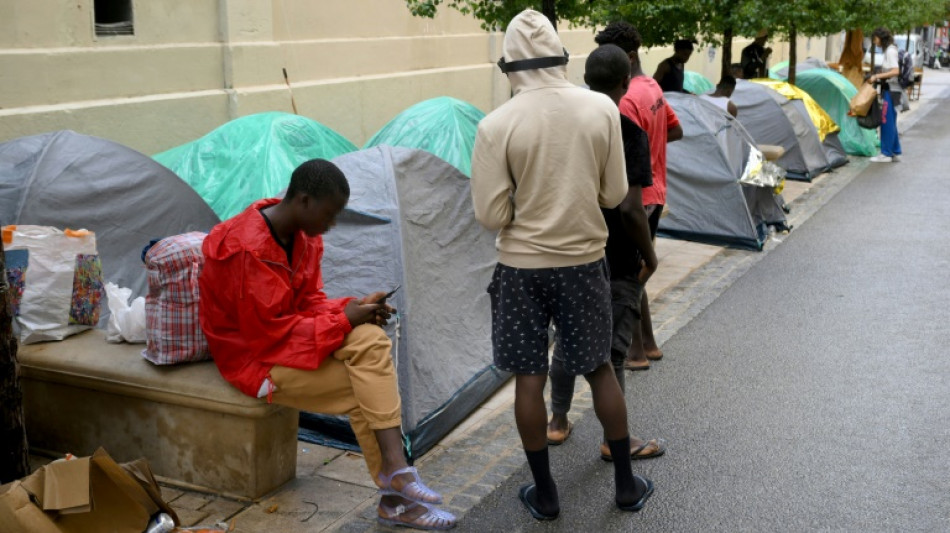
(492, 186)
(613, 181)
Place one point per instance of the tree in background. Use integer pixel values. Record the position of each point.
(714, 22)
(496, 15)
(793, 18)
(13, 451)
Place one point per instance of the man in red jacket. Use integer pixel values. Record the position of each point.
(274, 334)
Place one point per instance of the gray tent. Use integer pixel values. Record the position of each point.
(65, 179)
(774, 119)
(410, 222)
(706, 200)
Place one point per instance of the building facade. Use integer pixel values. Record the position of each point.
(155, 74)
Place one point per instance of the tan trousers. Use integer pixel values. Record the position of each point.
(358, 380)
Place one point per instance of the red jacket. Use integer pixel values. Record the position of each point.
(256, 310)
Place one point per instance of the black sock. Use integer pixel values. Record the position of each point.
(628, 491)
(544, 497)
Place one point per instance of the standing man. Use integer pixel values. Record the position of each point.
(544, 164)
(630, 253)
(645, 105)
(755, 56)
(670, 73)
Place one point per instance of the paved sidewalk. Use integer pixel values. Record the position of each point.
(332, 491)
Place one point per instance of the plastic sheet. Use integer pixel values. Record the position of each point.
(251, 158)
(761, 173)
(442, 126)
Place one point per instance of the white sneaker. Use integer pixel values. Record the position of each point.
(882, 159)
(896, 158)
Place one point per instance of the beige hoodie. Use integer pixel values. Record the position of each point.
(547, 160)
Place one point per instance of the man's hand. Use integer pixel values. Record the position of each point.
(384, 311)
(646, 270)
(358, 312)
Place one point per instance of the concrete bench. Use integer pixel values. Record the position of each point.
(194, 428)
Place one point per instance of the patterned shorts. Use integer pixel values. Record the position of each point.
(526, 300)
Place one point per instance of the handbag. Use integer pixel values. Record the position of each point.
(861, 102)
(874, 117)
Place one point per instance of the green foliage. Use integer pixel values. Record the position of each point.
(495, 15)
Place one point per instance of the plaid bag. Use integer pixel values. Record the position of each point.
(172, 332)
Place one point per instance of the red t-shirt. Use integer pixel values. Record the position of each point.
(645, 105)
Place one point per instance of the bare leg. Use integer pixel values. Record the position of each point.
(650, 349)
(611, 410)
(636, 356)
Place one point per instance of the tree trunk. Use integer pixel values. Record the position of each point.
(793, 53)
(549, 10)
(726, 69)
(13, 451)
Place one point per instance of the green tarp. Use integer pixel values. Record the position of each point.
(696, 83)
(250, 158)
(442, 126)
(833, 92)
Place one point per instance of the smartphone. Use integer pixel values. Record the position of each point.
(389, 295)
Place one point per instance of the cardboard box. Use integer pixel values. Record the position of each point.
(88, 495)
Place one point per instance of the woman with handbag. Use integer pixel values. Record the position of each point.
(890, 89)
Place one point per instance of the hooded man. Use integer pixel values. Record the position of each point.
(544, 164)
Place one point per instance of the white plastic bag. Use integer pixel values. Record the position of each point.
(126, 322)
(57, 283)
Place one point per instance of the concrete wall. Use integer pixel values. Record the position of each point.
(192, 65)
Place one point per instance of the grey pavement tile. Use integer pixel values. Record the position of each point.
(222, 509)
(190, 517)
(192, 501)
(304, 504)
(350, 468)
(312, 457)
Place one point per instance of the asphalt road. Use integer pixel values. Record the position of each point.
(813, 394)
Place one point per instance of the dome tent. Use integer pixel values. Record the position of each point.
(68, 180)
(827, 128)
(706, 200)
(834, 92)
(774, 119)
(780, 70)
(251, 157)
(410, 223)
(442, 126)
(696, 83)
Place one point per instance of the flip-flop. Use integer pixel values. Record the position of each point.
(538, 515)
(635, 454)
(636, 506)
(636, 367)
(567, 433)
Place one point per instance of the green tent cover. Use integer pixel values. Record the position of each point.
(251, 157)
(834, 92)
(696, 83)
(443, 126)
